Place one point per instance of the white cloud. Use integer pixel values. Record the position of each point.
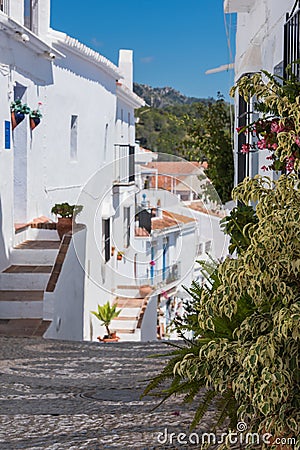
(147, 59)
(96, 42)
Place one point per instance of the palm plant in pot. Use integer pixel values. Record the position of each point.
(65, 213)
(106, 313)
(18, 112)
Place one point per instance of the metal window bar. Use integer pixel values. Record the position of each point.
(166, 275)
(4, 6)
(292, 41)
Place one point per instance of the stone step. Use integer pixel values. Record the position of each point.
(130, 312)
(28, 269)
(38, 245)
(19, 295)
(25, 256)
(124, 331)
(20, 304)
(23, 281)
(123, 324)
(123, 302)
(35, 251)
(23, 327)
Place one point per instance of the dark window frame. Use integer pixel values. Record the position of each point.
(106, 238)
(292, 41)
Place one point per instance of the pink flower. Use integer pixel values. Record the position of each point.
(274, 146)
(245, 148)
(276, 127)
(40, 103)
(264, 168)
(152, 263)
(261, 144)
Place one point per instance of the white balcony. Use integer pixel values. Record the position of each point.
(238, 6)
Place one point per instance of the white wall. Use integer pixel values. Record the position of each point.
(259, 45)
(65, 305)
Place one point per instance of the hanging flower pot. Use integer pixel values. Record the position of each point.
(18, 112)
(16, 118)
(35, 117)
(34, 121)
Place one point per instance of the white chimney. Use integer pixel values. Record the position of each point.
(126, 66)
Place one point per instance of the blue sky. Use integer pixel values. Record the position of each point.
(174, 41)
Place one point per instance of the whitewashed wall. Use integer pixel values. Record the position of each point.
(259, 43)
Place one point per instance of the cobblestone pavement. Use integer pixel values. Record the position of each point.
(65, 395)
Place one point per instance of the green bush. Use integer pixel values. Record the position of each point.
(248, 320)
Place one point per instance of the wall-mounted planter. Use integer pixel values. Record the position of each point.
(34, 121)
(16, 118)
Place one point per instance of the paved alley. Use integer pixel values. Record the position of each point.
(65, 395)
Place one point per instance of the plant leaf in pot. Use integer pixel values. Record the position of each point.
(106, 313)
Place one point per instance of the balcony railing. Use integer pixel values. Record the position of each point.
(163, 276)
(124, 164)
(292, 40)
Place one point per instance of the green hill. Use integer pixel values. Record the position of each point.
(158, 97)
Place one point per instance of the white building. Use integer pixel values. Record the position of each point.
(267, 38)
(82, 152)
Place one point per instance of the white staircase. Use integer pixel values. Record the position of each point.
(23, 283)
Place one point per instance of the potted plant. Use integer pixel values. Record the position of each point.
(18, 112)
(35, 117)
(120, 256)
(65, 214)
(106, 313)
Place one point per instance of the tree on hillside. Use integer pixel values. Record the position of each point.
(209, 135)
(192, 131)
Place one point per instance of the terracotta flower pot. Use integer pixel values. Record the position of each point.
(64, 225)
(34, 121)
(16, 118)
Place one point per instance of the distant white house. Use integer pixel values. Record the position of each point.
(83, 152)
(267, 37)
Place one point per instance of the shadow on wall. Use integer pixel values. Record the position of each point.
(3, 254)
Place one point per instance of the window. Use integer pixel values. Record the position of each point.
(73, 138)
(106, 238)
(292, 40)
(129, 134)
(127, 227)
(30, 15)
(4, 6)
(131, 164)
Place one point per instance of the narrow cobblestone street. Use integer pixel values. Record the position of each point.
(67, 395)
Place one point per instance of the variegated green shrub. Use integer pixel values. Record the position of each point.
(249, 320)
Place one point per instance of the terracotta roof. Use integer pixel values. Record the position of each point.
(200, 207)
(168, 220)
(141, 232)
(173, 172)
